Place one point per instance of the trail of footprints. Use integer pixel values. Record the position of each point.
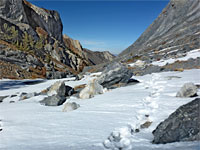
(122, 138)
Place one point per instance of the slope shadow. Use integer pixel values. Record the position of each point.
(13, 84)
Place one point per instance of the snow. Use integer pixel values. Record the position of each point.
(28, 125)
(192, 54)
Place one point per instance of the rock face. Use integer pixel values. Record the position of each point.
(182, 125)
(188, 90)
(32, 44)
(54, 100)
(93, 88)
(115, 73)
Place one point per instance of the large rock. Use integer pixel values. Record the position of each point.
(93, 88)
(115, 73)
(70, 106)
(54, 100)
(182, 125)
(188, 90)
(58, 88)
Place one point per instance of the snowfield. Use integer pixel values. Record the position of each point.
(28, 125)
(192, 54)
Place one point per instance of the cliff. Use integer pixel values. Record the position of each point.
(32, 44)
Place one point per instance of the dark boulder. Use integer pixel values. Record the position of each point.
(182, 125)
(54, 100)
(115, 73)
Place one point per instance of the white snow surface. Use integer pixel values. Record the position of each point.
(192, 54)
(28, 125)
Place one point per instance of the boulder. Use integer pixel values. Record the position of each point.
(70, 106)
(188, 90)
(58, 88)
(93, 88)
(114, 73)
(54, 100)
(182, 125)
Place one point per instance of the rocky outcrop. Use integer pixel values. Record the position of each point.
(188, 90)
(182, 125)
(32, 44)
(31, 18)
(175, 32)
(115, 74)
(93, 88)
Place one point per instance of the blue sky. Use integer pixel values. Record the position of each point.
(105, 25)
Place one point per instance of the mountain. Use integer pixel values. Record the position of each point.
(176, 31)
(32, 44)
(96, 57)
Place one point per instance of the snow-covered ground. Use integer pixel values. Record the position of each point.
(192, 54)
(27, 125)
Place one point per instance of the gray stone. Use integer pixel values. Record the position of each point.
(93, 88)
(114, 73)
(188, 90)
(54, 100)
(58, 88)
(182, 125)
(70, 106)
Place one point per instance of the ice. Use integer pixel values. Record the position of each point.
(28, 125)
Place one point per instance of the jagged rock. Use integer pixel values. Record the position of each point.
(70, 106)
(182, 125)
(93, 88)
(114, 73)
(54, 100)
(188, 90)
(58, 88)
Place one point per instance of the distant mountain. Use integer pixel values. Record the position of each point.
(175, 31)
(32, 44)
(96, 57)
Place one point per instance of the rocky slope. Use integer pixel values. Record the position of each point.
(172, 36)
(175, 31)
(32, 44)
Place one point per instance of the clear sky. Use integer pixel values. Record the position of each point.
(105, 25)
